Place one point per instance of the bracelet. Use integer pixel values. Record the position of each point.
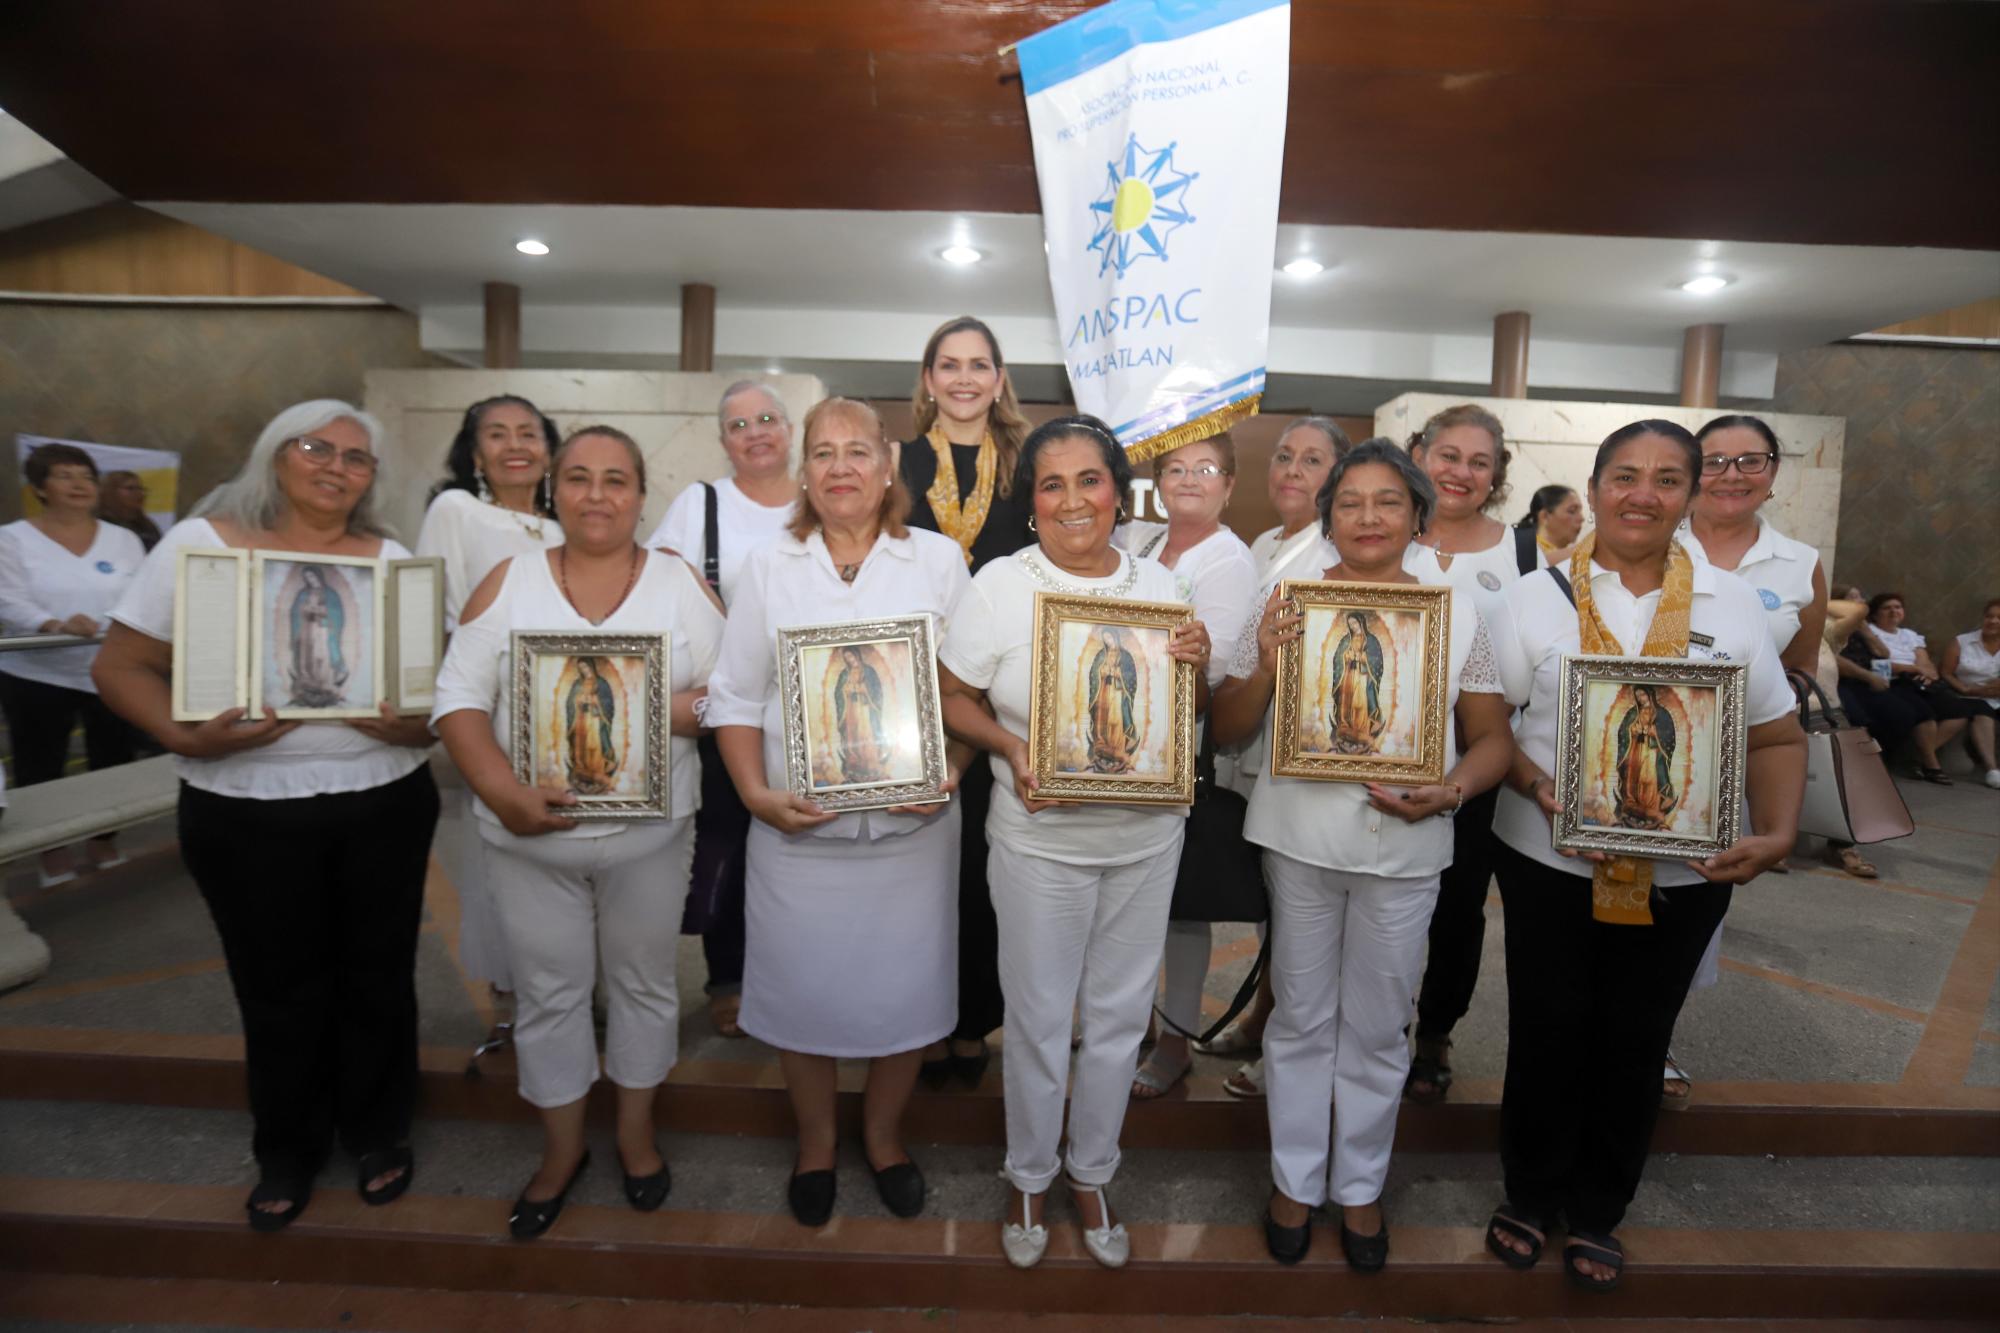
(1458, 804)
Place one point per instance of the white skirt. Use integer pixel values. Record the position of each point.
(851, 947)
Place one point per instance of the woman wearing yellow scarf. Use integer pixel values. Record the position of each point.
(959, 471)
(1600, 951)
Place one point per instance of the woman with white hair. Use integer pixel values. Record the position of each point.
(308, 841)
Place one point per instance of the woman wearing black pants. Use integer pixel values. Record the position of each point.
(308, 841)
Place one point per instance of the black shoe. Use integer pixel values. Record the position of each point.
(647, 1193)
(936, 1073)
(272, 1188)
(901, 1187)
(811, 1196)
(969, 1069)
(1365, 1254)
(1288, 1245)
(531, 1217)
(380, 1163)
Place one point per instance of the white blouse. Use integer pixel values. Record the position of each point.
(991, 646)
(667, 597)
(1976, 666)
(316, 759)
(42, 580)
(1304, 555)
(1902, 644)
(1778, 569)
(472, 537)
(789, 584)
(1537, 626)
(1216, 576)
(1484, 575)
(741, 526)
(1331, 824)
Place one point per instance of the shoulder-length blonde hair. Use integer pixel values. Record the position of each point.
(251, 500)
(895, 500)
(1003, 419)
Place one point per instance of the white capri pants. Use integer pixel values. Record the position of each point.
(1347, 953)
(1067, 929)
(568, 904)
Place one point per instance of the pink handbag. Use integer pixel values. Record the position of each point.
(1850, 796)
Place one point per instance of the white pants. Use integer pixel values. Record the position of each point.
(1065, 930)
(1347, 953)
(567, 904)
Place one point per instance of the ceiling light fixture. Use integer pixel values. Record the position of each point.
(1305, 268)
(960, 254)
(1705, 285)
(532, 247)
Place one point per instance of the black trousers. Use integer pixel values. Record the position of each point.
(980, 1008)
(40, 718)
(1590, 1008)
(318, 901)
(1458, 925)
(725, 821)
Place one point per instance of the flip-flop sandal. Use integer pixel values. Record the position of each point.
(381, 1163)
(1233, 1044)
(1152, 1082)
(1503, 1219)
(296, 1190)
(722, 1011)
(1606, 1251)
(1247, 1083)
(1672, 1099)
(1857, 865)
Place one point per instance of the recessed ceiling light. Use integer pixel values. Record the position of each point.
(532, 247)
(960, 254)
(1705, 285)
(1305, 268)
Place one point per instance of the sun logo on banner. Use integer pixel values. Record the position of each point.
(1144, 202)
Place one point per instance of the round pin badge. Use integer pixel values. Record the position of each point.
(106, 567)
(1771, 600)
(1489, 580)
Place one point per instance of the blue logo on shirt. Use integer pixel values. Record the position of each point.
(106, 567)
(1771, 600)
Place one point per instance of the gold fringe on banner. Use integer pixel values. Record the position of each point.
(1213, 423)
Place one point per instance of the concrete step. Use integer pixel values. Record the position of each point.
(149, 1192)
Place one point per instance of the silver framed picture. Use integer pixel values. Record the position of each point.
(591, 714)
(863, 725)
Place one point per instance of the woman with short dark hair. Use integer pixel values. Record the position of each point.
(1892, 661)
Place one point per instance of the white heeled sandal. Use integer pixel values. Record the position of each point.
(1026, 1241)
(1109, 1245)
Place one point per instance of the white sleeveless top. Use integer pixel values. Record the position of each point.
(1780, 571)
(667, 598)
(1976, 666)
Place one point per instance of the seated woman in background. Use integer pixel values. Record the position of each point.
(1904, 700)
(1972, 667)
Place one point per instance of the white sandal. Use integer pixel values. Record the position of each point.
(1247, 1083)
(1673, 1073)
(1110, 1245)
(1024, 1242)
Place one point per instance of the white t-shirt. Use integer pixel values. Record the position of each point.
(1902, 644)
(1484, 575)
(474, 536)
(1976, 666)
(1304, 555)
(741, 526)
(991, 646)
(1778, 569)
(316, 759)
(42, 580)
(667, 597)
(1331, 824)
(1216, 576)
(1537, 626)
(789, 584)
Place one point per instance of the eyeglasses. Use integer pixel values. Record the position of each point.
(1177, 471)
(1714, 465)
(737, 425)
(326, 453)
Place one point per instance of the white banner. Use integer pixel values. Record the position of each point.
(159, 470)
(1159, 130)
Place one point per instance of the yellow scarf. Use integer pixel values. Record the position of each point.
(1621, 889)
(959, 522)
(1549, 548)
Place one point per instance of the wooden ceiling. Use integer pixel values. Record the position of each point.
(1839, 121)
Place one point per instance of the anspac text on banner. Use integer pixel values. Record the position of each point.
(1159, 131)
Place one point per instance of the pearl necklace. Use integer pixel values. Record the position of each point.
(1035, 570)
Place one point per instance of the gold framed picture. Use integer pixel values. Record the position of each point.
(591, 714)
(414, 613)
(1649, 755)
(1111, 715)
(211, 671)
(315, 635)
(863, 726)
(1361, 692)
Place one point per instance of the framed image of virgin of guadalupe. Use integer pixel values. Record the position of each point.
(1361, 692)
(863, 725)
(591, 714)
(1111, 715)
(1649, 755)
(316, 635)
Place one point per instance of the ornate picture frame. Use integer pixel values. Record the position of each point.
(1111, 716)
(1650, 755)
(316, 635)
(1361, 693)
(864, 727)
(592, 713)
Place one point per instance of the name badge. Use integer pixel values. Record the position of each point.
(1703, 640)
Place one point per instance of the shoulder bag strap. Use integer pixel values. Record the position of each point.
(1526, 553)
(1562, 581)
(711, 561)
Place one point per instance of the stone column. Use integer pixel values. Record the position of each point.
(697, 326)
(1510, 354)
(503, 326)
(1701, 365)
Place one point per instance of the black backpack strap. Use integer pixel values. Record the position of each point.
(711, 561)
(1526, 554)
(1562, 581)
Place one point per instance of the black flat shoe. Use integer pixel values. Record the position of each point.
(969, 1069)
(270, 1189)
(936, 1073)
(811, 1196)
(1365, 1254)
(647, 1193)
(531, 1217)
(1288, 1245)
(901, 1187)
(381, 1163)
